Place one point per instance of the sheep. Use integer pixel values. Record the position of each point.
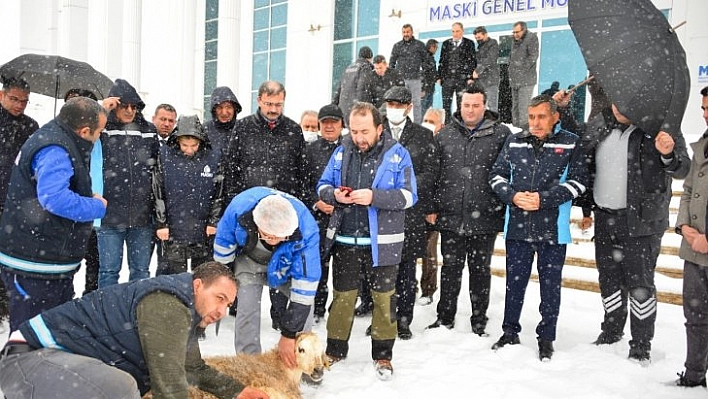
(267, 372)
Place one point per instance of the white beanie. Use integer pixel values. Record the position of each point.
(275, 215)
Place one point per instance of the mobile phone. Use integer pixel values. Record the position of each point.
(345, 190)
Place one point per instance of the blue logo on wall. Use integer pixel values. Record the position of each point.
(703, 73)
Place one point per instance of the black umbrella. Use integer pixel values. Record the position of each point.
(634, 54)
(53, 76)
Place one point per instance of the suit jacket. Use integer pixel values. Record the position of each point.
(457, 62)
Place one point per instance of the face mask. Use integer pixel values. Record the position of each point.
(310, 136)
(395, 115)
(428, 126)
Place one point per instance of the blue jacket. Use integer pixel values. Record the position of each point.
(82, 327)
(554, 169)
(394, 188)
(47, 220)
(295, 261)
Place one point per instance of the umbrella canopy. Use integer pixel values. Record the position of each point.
(634, 54)
(53, 76)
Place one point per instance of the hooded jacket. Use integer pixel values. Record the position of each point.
(219, 132)
(187, 189)
(129, 155)
(465, 201)
(351, 85)
(394, 191)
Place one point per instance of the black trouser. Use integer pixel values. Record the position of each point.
(92, 263)
(695, 309)
(476, 251)
(178, 254)
(405, 291)
(626, 274)
(450, 86)
(346, 278)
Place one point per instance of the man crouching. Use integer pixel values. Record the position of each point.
(123, 340)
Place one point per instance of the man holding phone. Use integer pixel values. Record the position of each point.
(366, 228)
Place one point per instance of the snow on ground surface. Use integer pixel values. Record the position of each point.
(456, 363)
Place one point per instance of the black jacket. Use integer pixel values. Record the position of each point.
(219, 132)
(31, 233)
(457, 62)
(257, 156)
(410, 58)
(129, 155)
(374, 86)
(14, 131)
(317, 155)
(424, 153)
(649, 181)
(188, 190)
(465, 200)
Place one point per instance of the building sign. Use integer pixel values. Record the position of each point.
(482, 8)
(702, 73)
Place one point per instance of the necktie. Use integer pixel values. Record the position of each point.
(271, 125)
(457, 42)
(396, 132)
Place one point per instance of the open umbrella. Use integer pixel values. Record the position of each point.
(53, 76)
(635, 56)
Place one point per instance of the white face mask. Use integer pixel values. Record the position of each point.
(428, 126)
(395, 115)
(310, 136)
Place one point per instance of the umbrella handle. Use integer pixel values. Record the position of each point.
(584, 82)
(673, 30)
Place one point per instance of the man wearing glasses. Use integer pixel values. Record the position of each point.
(15, 128)
(270, 238)
(267, 149)
(522, 72)
(128, 149)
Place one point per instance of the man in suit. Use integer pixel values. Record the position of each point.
(457, 63)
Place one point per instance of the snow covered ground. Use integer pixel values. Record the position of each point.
(456, 363)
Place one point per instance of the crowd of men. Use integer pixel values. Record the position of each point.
(252, 202)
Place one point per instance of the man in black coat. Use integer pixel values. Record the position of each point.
(15, 128)
(267, 149)
(224, 110)
(469, 214)
(376, 83)
(457, 62)
(424, 154)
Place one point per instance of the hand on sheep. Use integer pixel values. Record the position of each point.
(286, 348)
(252, 393)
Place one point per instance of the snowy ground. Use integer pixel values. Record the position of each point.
(456, 363)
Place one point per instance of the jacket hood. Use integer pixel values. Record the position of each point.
(189, 125)
(127, 93)
(221, 94)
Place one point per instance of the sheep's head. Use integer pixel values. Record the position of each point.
(311, 356)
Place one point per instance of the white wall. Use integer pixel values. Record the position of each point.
(169, 37)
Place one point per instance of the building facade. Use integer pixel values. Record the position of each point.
(178, 51)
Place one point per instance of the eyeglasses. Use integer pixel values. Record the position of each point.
(269, 237)
(126, 106)
(270, 104)
(17, 100)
